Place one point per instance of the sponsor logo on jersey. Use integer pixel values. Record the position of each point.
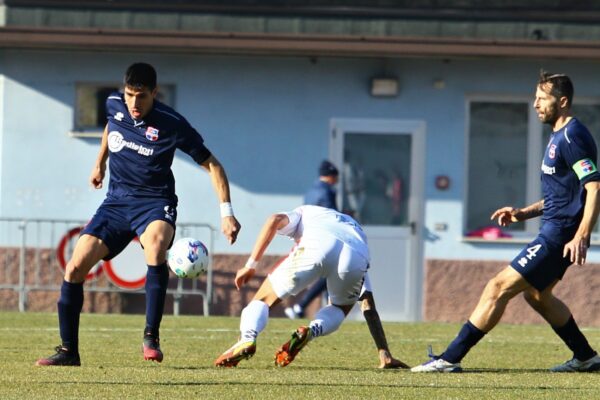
(169, 213)
(548, 170)
(552, 151)
(152, 134)
(116, 143)
(119, 116)
(584, 168)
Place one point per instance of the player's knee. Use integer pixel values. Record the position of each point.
(496, 289)
(75, 272)
(531, 298)
(538, 300)
(345, 308)
(156, 244)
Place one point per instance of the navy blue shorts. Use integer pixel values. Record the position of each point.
(118, 221)
(541, 262)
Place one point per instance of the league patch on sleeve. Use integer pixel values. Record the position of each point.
(584, 168)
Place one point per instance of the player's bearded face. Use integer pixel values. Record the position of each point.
(546, 105)
(139, 101)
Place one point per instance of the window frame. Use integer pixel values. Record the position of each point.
(535, 148)
(533, 162)
(168, 89)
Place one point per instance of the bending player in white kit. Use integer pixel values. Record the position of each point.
(329, 244)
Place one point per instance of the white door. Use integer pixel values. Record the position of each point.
(381, 185)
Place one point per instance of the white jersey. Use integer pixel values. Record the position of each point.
(314, 223)
(330, 245)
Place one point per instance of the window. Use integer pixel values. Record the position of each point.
(497, 160)
(90, 116)
(505, 150)
(376, 177)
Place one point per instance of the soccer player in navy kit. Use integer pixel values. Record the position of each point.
(569, 210)
(141, 137)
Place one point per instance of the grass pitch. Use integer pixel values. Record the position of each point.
(510, 363)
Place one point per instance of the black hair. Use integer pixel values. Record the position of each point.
(140, 75)
(560, 85)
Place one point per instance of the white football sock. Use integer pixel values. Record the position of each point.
(253, 320)
(327, 320)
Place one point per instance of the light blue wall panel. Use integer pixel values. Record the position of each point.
(267, 119)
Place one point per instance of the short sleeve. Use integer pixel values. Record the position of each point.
(191, 142)
(294, 217)
(579, 154)
(113, 105)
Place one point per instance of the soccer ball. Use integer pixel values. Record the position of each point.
(188, 258)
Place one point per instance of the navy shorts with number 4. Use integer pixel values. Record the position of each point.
(541, 262)
(118, 220)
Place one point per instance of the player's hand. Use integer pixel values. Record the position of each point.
(243, 275)
(391, 363)
(96, 177)
(577, 249)
(506, 215)
(230, 228)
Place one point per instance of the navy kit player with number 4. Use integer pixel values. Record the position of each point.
(140, 138)
(569, 210)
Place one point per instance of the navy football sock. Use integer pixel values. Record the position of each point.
(157, 280)
(69, 309)
(574, 339)
(468, 337)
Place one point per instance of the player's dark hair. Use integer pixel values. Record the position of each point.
(560, 85)
(140, 75)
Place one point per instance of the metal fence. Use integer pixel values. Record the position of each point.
(32, 251)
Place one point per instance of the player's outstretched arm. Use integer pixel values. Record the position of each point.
(386, 360)
(577, 247)
(99, 170)
(229, 224)
(266, 235)
(508, 215)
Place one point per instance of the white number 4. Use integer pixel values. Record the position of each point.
(531, 252)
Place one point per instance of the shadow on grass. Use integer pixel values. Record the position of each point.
(506, 371)
(378, 370)
(328, 385)
(272, 367)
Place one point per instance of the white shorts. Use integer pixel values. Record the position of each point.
(366, 286)
(339, 264)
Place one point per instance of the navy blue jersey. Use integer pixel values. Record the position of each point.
(569, 163)
(141, 152)
(321, 194)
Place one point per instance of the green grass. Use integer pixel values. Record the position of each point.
(509, 363)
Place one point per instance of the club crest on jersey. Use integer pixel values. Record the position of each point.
(152, 134)
(552, 151)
